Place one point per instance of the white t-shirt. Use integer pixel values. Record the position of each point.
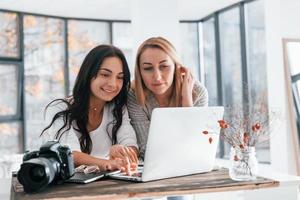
(100, 140)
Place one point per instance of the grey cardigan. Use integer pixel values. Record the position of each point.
(140, 117)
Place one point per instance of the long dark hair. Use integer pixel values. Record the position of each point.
(78, 102)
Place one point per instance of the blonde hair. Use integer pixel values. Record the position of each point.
(140, 89)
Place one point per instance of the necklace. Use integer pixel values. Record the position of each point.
(96, 109)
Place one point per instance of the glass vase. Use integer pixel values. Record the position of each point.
(243, 164)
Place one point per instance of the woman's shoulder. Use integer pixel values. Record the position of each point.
(131, 93)
(135, 110)
(200, 94)
(131, 98)
(199, 88)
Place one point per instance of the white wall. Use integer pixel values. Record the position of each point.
(290, 28)
(150, 20)
(281, 21)
(95, 9)
(110, 9)
(290, 24)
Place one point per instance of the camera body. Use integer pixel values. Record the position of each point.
(51, 164)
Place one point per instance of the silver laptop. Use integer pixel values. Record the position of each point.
(181, 141)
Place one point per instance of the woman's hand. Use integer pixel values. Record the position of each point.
(116, 164)
(128, 155)
(103, 164)
(187, 87)
(123, 152)
(109, 165)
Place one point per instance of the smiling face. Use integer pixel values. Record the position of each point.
(109, 80)
(157, 70)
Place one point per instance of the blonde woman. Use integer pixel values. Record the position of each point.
(160, 81)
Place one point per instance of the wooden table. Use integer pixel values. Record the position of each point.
(215, 181)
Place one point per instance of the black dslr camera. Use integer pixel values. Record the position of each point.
(53, 163)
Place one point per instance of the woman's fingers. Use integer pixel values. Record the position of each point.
(131, 154)
(123, 165)
(122, 152)
(120, 165)
(117, 151)
(109, 168)
(135, 156)
(133, 166)
(187, 88)
(186, 74)
(128, 168)
(191, 80)
(188, 77)
(125, 158)
(183, 69)
(116, 164)
(104, 165)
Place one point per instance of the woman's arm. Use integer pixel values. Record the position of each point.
(140, 120)
(193, 93)
(104, 165)
(127, 147)
(187, 87)
(200, 95)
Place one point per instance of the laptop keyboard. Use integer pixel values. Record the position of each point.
(137, 174)
(141, 163)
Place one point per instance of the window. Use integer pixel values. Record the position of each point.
(43, 71)
(230, 52)
(210, 61)
(122, 38)
(9, 89)
(189, 47)
(10, 130)
(256, 66)
(11, 126)
(234, 61)
(82, 37)
(230, 49)
(9, 35)
(11, 138)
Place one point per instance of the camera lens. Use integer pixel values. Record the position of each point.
(35, 174)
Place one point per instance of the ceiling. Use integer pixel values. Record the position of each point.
(109, 9)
